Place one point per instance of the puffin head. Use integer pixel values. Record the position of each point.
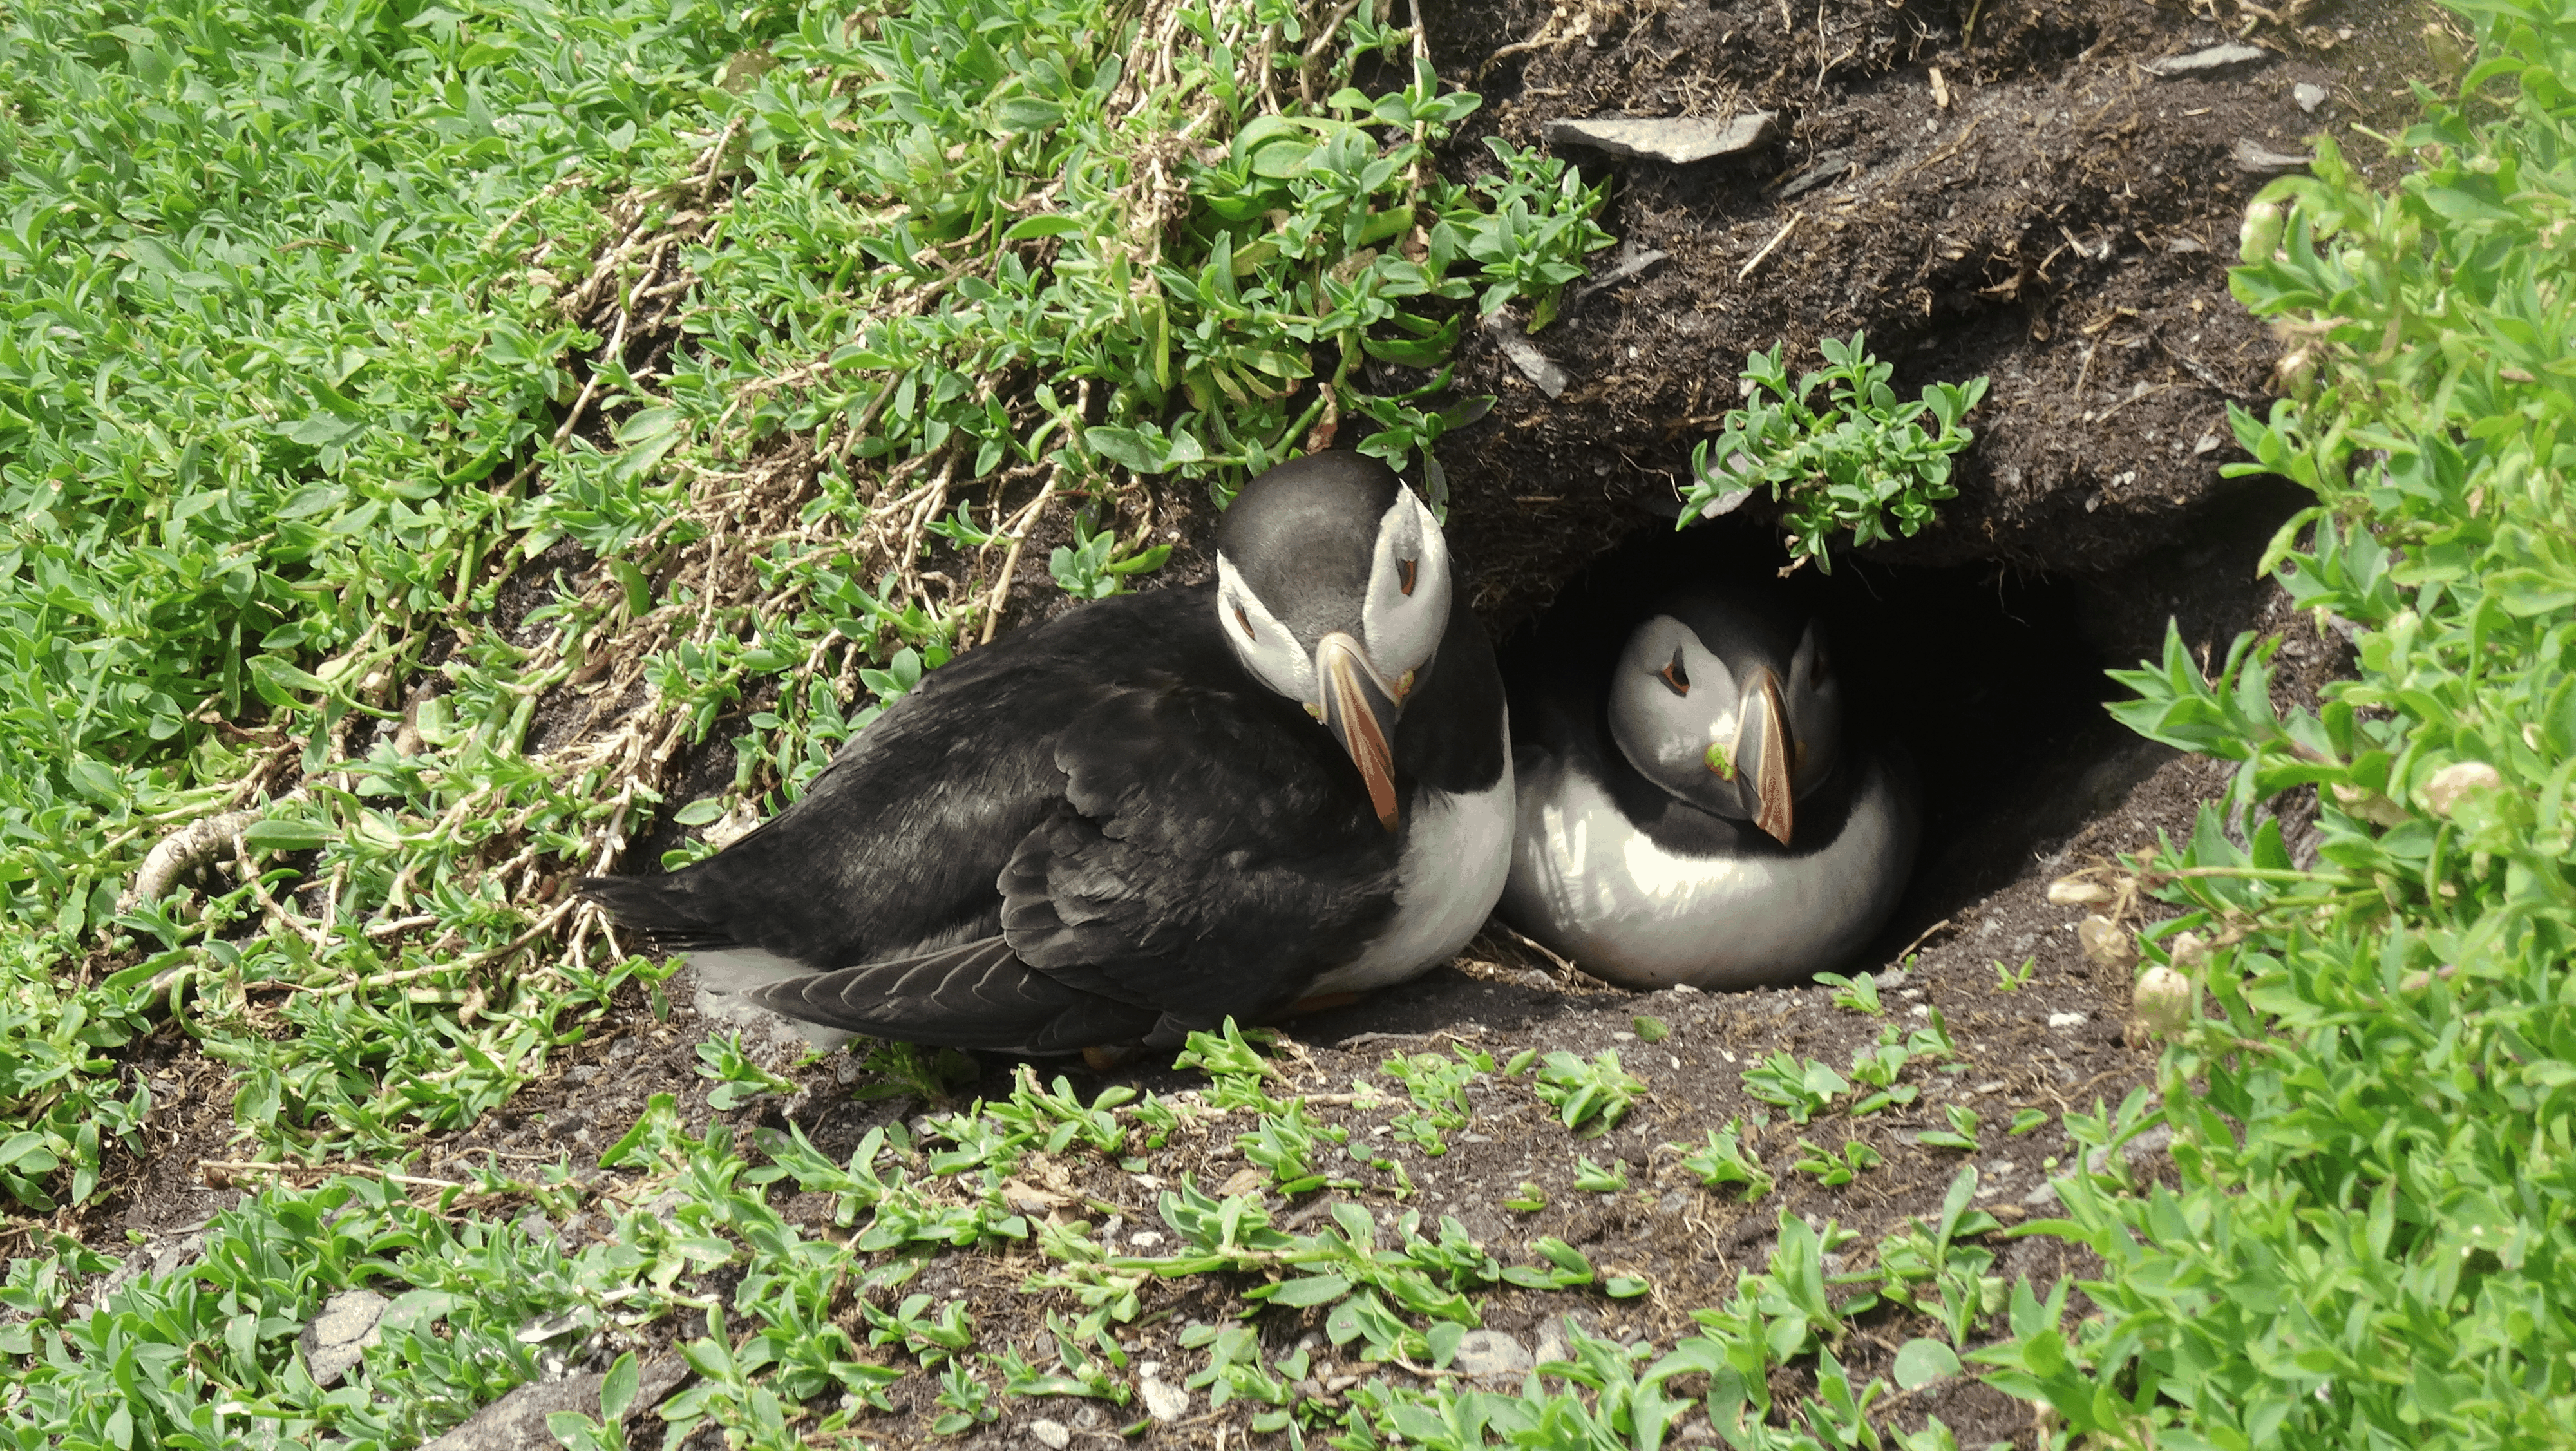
(1333, 589)
(1731, 707)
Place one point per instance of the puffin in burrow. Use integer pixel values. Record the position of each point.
(1692, 809)
(1150, 813)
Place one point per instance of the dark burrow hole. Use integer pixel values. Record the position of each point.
(1991, 678)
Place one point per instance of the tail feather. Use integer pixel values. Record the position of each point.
(654, 906)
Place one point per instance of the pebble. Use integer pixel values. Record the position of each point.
(1145, 1238)
(2308, 95)
(1055, 1434)
(1536, 366)
(2202, 62)
(2066, 1020)
(1164, 1402)
(1489, 1352)
(340, 1333)
(1678, 140)
(1551, 1345)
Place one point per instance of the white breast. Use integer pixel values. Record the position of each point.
(1588, 883)
(1457, 851)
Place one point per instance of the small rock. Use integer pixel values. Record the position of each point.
(1536, 366)
(1919, 1010)
(1145, 1238)
(1678, 140)
(518, 1420)
(1489, 1352)
(2046, 1193)
(1829, 168)
(1633, 259)
(2263, 161)
(2066, 1020)
(2204, 62)
(1164, 1402)
(1551, 1344)
(1055, 1434)
(2308, 95)
(340, 1334)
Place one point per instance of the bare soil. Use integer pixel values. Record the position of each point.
(2049, 215)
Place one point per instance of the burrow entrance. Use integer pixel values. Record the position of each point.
(1990, 677)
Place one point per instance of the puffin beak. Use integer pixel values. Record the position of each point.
(1360, 711)
(1764, 757)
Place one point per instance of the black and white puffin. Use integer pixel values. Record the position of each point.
(1694, 813)
(1147, 814)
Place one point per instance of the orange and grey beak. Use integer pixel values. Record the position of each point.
(1762, 754)
(1360, 710)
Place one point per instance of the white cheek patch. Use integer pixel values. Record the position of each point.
(1402, 628)
(1265, 646)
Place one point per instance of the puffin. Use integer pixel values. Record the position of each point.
(1148, 814)
(1695, 813)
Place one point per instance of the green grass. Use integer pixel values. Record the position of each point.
(316, 326)
(322, 324)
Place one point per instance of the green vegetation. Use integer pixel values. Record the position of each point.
(1598, 1093)
(2371, 1240)
(323, 328)
(1850, 465)
(754, 345)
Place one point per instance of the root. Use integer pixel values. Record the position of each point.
(191, 847)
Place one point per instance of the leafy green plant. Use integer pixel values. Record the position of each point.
(1875, 1067)
(1853, 464)
(738, 1079)
(1805, 1089)
(1833, 1169)
(1961, 1133)
(1594, 1178)
(1595, 1092)
(1094, 567)
(1437, 1084)
(1928, 1269)
(2014, 979)
(1725, 1160)
(1859, 995)
(2380, 1258)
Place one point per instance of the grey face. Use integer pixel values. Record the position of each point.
(1723, 708)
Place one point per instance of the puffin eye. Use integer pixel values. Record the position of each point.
(1245, 621)
(1404, 575)
(1674, 676)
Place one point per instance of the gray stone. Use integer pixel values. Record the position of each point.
(340, 1334)
(1536, 366)
(517, 1421)
(1678, 140)
(2308, 94)
(1164, 1402)
(2204, 62)
(2066, 1020)
(1551, 1343)
(1055, 1435)
(1829, 168)
(2261, 160)
(1489, 1352)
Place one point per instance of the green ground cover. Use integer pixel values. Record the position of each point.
(314, 330)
